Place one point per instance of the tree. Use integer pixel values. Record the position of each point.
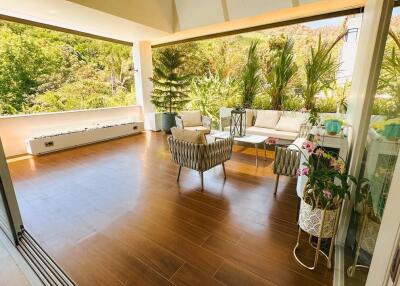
(320, 70)
(251, 76)
(283, 70)
(170, 83)
(389, 79)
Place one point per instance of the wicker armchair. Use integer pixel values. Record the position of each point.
(286, 163)
(200, 157)
(204, 126)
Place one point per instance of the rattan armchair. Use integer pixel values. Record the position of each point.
(200, 157)
(204, 126)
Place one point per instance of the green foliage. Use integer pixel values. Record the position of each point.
(209, 94)
(43, 71)
(282, 71)
(320, 70)
(251, 76)
(389, 80)
(170, 82)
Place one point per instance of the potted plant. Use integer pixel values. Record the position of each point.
(326, 188)
(170, 86)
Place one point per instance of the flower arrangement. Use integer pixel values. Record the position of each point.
(327, 185)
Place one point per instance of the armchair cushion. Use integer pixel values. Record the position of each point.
(190, 136)
(191, 118)
(201, 129)
(267, 118)
(249, 117)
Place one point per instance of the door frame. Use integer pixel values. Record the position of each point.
(9, 197)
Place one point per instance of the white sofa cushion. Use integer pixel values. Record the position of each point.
(267, 118)
(291, 124)
(191, 118)
(284, 135)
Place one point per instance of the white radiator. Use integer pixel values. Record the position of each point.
(55, 142)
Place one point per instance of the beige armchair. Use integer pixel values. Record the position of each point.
(193, 120)
(200, 157)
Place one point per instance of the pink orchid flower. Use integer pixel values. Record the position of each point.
(327, 194)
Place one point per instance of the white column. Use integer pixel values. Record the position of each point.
(142, 59)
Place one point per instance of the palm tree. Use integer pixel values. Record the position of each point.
(321, 70)
(170, 85)
(251, 76)
(389, 79)
(283, 70)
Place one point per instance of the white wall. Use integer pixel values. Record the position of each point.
(15, 129)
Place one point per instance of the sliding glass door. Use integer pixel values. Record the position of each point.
(10, 218)
(379, 168)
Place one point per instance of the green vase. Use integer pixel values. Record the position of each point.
(392, 131)
(333, 126)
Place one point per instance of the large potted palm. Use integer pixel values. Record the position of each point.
(251, 77)
(170, 86)
(282, 71)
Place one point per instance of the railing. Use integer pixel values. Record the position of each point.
(15, 129)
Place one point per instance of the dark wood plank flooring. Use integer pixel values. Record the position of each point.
(113, 214)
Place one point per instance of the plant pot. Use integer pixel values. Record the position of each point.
(333, 126)
(168, 121)
(310, 220)
(392, 131)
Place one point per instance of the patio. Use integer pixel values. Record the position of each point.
(112, 214)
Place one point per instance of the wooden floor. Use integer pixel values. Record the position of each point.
(113, 214)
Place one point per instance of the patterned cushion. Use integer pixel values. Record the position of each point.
(190, 136)
(191, 118)
(267, 118)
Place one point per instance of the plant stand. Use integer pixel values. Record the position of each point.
(317, 223)
(366, 240)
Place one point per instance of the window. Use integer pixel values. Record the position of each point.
(43, 70)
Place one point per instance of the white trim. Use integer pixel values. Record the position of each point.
(339, 270)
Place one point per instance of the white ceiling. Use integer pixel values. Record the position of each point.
(161, 21)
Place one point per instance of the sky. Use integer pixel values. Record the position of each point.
(337, 21)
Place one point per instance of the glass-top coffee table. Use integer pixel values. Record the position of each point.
(255, 140)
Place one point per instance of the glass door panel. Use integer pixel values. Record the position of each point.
(379, 163)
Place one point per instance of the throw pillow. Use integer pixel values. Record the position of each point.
(267, 118)
(191, 118)
(190, 136)
(290, 124)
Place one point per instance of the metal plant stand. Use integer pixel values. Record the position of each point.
(317, 246)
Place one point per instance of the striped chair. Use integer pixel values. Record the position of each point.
(200, 157)
(287, 162)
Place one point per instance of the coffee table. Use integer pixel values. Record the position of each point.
(255, 140)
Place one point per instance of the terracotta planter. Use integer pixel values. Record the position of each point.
(310, 220)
